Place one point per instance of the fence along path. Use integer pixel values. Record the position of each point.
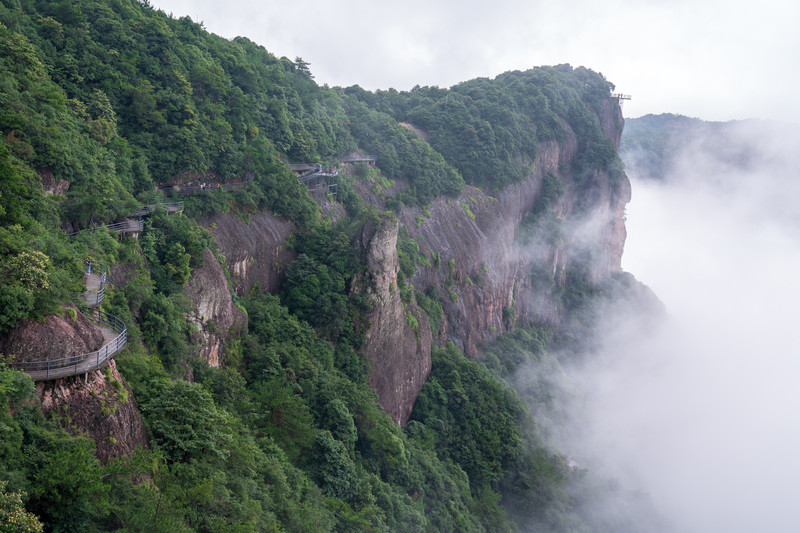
(115, 336)
(131, 225)
(95, 288)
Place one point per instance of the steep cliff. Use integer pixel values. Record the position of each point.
(99, 404)
(486, 275)
(254, 249)
(397, 334)
(214, 316)
(56, 337)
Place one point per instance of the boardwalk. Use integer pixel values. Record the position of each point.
(193, 190)
(115, 336)
(128, 225)
(358, 158)
(133, 223)
(95, 288)
(169, 207)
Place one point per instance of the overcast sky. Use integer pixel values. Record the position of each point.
(712, 59)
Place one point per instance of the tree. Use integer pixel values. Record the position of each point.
(186, 424)
(13, 516)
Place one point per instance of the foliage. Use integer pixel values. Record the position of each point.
(13, 516)
(491, 130)
(103, 104)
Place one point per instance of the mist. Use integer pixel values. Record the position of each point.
(701, 413)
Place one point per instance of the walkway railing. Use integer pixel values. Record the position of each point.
(357, 159)
(171, 207)
(80, 364)
(126, 226)
(191, 190)
(135, 226)
(101, 291)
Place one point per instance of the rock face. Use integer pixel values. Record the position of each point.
(50, 184)
(102, 406)
(254, 250)
(99, 403)
(215, 315)
(55, 338)
(485, 277)
(397, 333)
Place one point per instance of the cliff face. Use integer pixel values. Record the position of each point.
(486, 279)
(215, 316)
(100, 404)
(56, 337)
(254, 250)
(485, 276)
(397, 333)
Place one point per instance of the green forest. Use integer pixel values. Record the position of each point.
(121, 102)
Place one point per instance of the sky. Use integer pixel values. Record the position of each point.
(711, 59)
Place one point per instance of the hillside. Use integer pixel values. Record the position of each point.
(299, 350)
(655, 146)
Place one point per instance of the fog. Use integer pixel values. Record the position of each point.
(703, 413)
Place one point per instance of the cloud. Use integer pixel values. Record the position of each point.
(703, 413)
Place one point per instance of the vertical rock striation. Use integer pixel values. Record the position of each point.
(215, 315)
(397, 334)
(99, 404)
(254, 250)
(485, 277)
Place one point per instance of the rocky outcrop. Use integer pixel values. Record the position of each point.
(397, 334)
(484, 277)
(254, 249)
(215, 316)
(50, 184)
(56, 337)
(99, 404)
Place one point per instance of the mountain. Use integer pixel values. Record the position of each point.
(655, 146)
(304, 305)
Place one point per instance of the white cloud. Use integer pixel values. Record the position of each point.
(704, 413)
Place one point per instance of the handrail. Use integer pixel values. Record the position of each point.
(190, 190)
(357, 159)
(321, 174)
(79, 364)
(130, 225)
(101, 292)
(150, 208)
(120, 227)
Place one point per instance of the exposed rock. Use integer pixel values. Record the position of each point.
(254, 250)
(484, 278)
(399, 353)
(215, 315)
(50, 184)
(99, 404)
(56, 337)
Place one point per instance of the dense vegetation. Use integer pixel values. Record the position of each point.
(116, 100)
(490, 130)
